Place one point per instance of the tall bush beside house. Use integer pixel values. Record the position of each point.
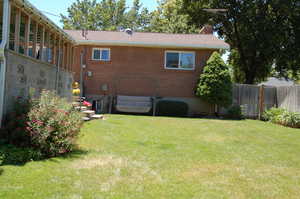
(215, 84)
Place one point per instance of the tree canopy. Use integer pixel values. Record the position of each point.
(105, 15)
(263, 35)
(168, 18)
(114, 15)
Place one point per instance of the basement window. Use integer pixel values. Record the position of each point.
(180, 60)
(101, 54)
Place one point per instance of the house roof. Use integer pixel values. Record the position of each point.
(273, 81)
(113, 38)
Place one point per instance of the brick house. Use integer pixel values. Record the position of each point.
(129, 63)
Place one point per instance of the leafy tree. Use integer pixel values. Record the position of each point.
(287, 61)
(105, 15)
(82, 15)
(238, 76)
(111, 14)
(215, 82)
(264, 35)
(168, 18)
(137, 18)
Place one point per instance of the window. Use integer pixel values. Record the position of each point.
(180, 60)
(102, 54)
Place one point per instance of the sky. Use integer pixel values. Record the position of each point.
(58, 7)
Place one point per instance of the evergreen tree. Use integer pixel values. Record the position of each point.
(215, 84)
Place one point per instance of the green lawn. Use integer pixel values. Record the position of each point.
(136, 157)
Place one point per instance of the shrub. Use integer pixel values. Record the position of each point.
(234, 112)
(10, 154)
(172, 108)
(282, 117)
(14, 131)
(49, 125)
(215, 84)
(289, 119)
(53, 125)
(272, 114)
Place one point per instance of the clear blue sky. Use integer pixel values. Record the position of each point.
(60, 7)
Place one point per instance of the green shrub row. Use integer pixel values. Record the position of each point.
(172, 108)
(234, 112)
(282, 117)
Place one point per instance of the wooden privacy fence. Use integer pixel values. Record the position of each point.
(254, 100)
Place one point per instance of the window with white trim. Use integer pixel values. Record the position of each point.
(182, 60)
(101, 54)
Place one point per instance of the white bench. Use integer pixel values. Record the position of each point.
(133, 104)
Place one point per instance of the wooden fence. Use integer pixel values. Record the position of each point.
(254, 100)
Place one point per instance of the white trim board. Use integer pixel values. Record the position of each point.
(153, 45)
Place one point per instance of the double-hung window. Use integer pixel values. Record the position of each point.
(101, 54)
(182, 60)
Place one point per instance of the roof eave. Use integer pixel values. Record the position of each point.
(153, 45)
(45, 18)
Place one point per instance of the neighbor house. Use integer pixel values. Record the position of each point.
(35, 54)
(127, 63)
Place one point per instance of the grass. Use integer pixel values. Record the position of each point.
(133, 157)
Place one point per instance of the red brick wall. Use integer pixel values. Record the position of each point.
(138, 71)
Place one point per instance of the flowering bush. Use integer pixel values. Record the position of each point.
(53, 125)
(49, 125)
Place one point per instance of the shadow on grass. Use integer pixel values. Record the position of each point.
(1, 171)
(15, 156)
(220, 118)
(77, 153)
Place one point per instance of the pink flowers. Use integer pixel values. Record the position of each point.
(61, 111)
(85, 103)
(38, 122)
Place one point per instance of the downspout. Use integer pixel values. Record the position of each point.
(5, 32)
(58, 69)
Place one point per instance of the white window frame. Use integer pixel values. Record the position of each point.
(179, 67)
(101, 49)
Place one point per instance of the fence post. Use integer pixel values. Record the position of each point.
(261, 101)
